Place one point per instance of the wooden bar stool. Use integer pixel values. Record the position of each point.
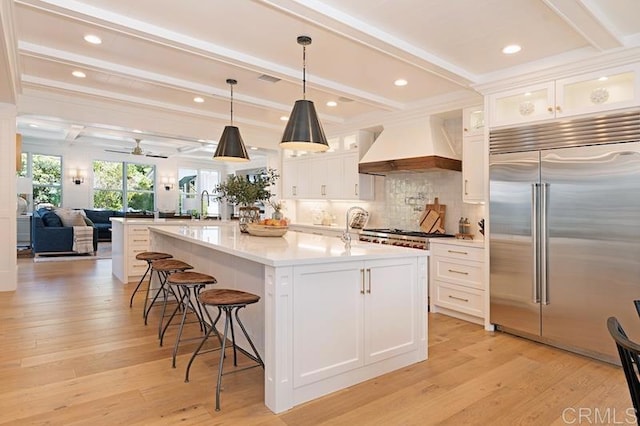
(164, 268)
(229, 301)
(187, 284)
(149, 257)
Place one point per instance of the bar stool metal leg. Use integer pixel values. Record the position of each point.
(139, 284)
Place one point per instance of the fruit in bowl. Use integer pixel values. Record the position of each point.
(274, 222)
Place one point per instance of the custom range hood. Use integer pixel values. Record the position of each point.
(418, 145)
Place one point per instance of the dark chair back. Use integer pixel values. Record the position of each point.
(637, 303)
(629, 357)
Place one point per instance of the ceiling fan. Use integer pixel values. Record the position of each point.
(137, 150)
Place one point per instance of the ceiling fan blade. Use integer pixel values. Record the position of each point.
(156, 155)
(119, 152)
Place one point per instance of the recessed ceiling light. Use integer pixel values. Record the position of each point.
(284, 118)
(332, 103)
(78, 74)
(93, 39)
(527, 93)
(255, 148)
(198, 100)
(603, 78)
(35, 126)
(137, 131)
(401, 82)
(201, 140)
(511, 49)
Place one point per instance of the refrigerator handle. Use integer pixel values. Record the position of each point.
(534, 235)
(544, 245)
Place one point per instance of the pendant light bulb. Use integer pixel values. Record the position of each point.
(230, 146)
(304, 131)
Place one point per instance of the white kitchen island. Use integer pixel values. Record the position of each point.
(327, 318)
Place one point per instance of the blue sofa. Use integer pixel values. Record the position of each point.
(101, 220)
(49, 236)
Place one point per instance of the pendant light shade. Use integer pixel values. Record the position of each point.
(304, 131)
(231, 146)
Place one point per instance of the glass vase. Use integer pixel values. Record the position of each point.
(248, 215)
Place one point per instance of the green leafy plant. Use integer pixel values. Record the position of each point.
(238, 190)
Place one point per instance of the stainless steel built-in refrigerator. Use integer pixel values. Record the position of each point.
(565, 231)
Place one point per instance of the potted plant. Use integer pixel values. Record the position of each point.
(240, 191)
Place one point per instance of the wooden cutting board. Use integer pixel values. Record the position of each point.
(432, 218)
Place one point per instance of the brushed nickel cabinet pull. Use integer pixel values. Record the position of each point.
(458, 272)
(369, 288)
(458, 298)
(356, 189)
(294, 190)
(458, 252)
(361, 281)
(139, 241)
(558, 108)
(466, 182)
(550, 109)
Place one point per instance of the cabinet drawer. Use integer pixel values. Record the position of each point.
(138, 230)
(462, 299)
(137, 268)
(463, 273)
(138, 240)
(457, 252)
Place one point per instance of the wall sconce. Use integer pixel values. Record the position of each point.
(168, 182)
(77, 176)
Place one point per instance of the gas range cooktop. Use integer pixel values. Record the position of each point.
(399, 237)
(394, 231)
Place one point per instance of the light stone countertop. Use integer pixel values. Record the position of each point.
(294, 248)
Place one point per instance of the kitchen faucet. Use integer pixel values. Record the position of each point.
(202, 203)
(346, 236)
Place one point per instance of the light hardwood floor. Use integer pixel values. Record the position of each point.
(72, 352)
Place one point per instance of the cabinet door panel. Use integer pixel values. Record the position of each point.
(327, 321)
(473, 176)
(390, 308)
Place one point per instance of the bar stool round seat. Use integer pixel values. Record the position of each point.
(230, 302)
(164, 268)
(187, 284)
(148, 256)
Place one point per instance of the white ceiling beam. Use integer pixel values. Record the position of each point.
(582, 17)
(338, 22)
(133, 27)
(42, 83)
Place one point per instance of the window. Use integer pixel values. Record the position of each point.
(192, 182)
(123, 186)
(46, 172)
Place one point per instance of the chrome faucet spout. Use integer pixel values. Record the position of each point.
(346, 236)
(202, 203)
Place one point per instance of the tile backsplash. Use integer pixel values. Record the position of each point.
(400, 199)
(407, 194)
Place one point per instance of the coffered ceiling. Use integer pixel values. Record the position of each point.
(156, 56)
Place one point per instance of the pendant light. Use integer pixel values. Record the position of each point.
(230, 146)
(303, 131)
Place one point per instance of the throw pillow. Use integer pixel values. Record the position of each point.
(70, 217)
(50, 219)
(88, 221)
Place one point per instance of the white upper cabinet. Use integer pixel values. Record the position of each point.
(587, 93)
(473, 121)
(473, 176)
(473, 155)
(331, 175)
